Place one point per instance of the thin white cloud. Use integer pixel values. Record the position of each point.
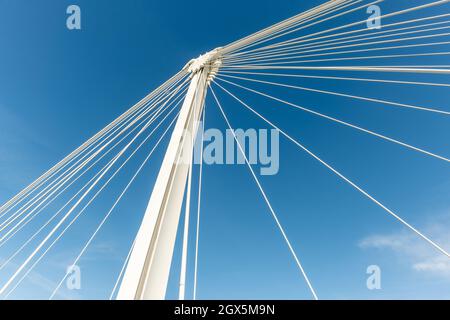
(420, 254)
(439, 265)
(36, 279)
(48, 285)
(393, 241)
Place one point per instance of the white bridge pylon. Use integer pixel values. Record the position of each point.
(43, 212)
(148, 268)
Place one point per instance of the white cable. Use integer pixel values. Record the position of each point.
(68, 158)
(81, 211)
(396, 13)
(347, 96)
(23, 265)
(317, 22)
(336, 78)
(339, 121)
(349, 51)
(277, 27)
(199, 197)
(349, 68)
(60, 180)
(273, 48)
(184, 249)
(357, 58)
(296, 26)
(274, 215)
(122, 270)
(7, 261)
(354, 185)
(318, 44)
(30, 216)
(151, 117)
(67, 203)
(9, 221)
(18, 226)
(114, 205)
(69, 171)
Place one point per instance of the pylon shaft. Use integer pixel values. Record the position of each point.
(147, 272)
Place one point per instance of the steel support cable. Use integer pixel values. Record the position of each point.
(343, 177)
(284, 54)
(314, 17)
(147, 107)
(45, 180)
(21, 223)
(305, 43)
(392, 56)
(68, 226)
(70, 200)
(150, 108)
(278, 27)
(59, 211)
(185, 236)
(177, 160)
(30, 187)
(122, 270)
(102, 139)
(11, 257)
(95, 162)
(119, 198)
(59, 224)
(317, 22)
(199, 198)
(51, 197)
(274, 215)
(338, 121)
(358, 50)
(408, 106)
(394, 69)
(161, 109)
(237, 66)
(335, 78)
(75, 152)
(295, 54)
(237, 45)
(392, 14)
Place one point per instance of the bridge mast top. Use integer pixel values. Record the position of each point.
(147, 271)
(211, 60)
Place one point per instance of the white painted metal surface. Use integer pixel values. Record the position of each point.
(147, 272)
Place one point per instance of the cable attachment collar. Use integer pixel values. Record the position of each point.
(211, 60)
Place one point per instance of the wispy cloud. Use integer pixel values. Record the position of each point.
(103, 250)
(48, 285)
(440, 265)
(421, 256)
(34, 280)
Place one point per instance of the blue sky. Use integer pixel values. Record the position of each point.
(59, 87)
